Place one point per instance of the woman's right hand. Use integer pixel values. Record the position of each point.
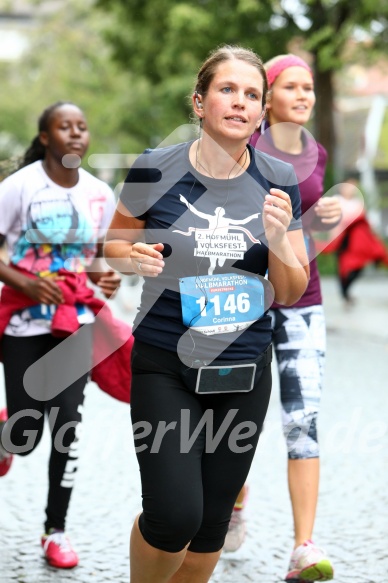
(44, 290)
(147, 260)
(277, 215)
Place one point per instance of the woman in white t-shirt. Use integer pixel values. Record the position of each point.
(53, 216)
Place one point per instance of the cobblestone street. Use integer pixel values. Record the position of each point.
(352, 520)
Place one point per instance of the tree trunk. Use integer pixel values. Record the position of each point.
(324, 130)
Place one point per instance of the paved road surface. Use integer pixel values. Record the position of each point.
(352, 521)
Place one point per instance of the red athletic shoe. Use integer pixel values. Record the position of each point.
(58, 550)
(5, 457)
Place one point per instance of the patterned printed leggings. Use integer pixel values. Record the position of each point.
(299, 339)
(26, 409)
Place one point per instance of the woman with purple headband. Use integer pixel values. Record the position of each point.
(299, 333)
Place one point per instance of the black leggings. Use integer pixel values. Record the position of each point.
(26, 408)
(189, 489)
(347, 281)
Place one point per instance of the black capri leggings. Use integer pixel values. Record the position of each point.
(190, 477)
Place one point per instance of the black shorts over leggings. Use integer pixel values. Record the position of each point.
(189, 482)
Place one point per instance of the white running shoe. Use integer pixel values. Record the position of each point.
(236, 533)
(309, 563)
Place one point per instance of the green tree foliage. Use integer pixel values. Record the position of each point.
(69, 59)
(165, 41)
(333, 24)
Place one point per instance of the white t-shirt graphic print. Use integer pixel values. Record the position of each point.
(48, 227)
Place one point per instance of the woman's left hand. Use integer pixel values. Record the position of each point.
(277, 215)
(328, 209)
(109, 282)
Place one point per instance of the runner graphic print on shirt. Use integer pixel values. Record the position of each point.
(216, 242)
(197, 266)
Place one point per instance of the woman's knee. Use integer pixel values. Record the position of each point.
(171, 530)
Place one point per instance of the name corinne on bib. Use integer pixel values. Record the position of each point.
(221, 303)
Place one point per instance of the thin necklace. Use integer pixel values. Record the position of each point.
(199, 163)
(198, 264)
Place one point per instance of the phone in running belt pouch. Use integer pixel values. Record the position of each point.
(236, 378)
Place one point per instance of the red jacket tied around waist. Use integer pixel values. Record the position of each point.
(112, 338)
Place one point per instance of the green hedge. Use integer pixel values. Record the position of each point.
(327, 263)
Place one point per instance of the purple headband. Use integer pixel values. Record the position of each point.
(283, 63)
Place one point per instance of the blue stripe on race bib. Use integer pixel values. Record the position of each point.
(42, 312)
(46, 312)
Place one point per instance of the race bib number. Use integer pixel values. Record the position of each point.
(222, 303)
